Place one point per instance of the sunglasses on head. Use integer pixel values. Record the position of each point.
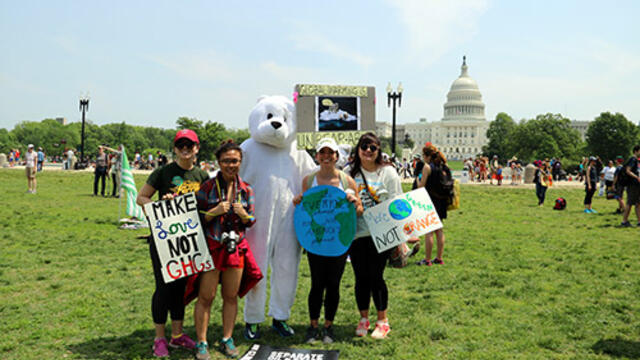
(187, 143)
(370, 147)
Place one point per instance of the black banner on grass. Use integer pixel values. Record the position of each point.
(266, 352)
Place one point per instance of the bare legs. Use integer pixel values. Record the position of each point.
(428, 244)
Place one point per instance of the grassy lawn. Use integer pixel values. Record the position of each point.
(519, 282)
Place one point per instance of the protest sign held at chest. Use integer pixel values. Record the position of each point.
(178, 236)
(394, 221)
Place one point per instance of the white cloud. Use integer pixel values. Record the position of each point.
(321, 44)
(208, 66)
(436, 26)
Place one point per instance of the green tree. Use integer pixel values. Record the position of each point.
(239, 135)
(499, 135)
(610, 135)
(194, 124)
(7, 141)
(546, 136)
(408, 142)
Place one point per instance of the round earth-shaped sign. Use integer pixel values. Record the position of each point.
(400, 209)
(325, 222)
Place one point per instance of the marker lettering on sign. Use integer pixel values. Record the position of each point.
(381, 217)
(180, 245)
(176, 206)
(387, 239)
(420, 223)
(187, 266)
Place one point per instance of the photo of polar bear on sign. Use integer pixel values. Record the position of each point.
(275, 169)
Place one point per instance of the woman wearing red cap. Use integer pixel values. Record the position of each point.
(176, 178)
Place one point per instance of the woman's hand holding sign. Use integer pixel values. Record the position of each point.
(352, 198)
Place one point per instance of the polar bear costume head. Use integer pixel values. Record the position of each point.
(273, 122)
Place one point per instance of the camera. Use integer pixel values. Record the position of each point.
(230, 240)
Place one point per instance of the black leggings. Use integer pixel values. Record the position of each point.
(540, 193)
(166, 297)
(326, 273)
(589, 194)
(100, 173)
(368, 268)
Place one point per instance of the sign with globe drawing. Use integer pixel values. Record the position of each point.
(405, 216)
(325, 222)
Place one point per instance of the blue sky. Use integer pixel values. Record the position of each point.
(150, 62)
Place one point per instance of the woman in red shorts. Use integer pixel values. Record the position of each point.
(229, 205)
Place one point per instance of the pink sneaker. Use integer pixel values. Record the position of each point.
(363, 327)
(381, 330)
(160, 348)
(182, 341)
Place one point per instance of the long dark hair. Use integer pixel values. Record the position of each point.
(367, 138)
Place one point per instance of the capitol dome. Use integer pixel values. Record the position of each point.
(464, 100)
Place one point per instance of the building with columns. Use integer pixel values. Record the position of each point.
(462, 132)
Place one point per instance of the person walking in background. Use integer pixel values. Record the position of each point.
(590, 183)
(162, 160)
(541, 179)
(179, 178)
(376, 182)
(40, 159)
(417, 171)
(100, 172)
(31, 165)
(70, 159)
(609, 173)
(115, 168)
(326, 271)
(434, 170)
(618, 187)
(633, 186)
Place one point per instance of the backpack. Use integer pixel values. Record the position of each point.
(623, 178)
(561, 204)
(444, 183)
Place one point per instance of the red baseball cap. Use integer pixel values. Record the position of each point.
(186, 134)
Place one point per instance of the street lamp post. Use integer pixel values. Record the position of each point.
(84, 107)
(397, 95)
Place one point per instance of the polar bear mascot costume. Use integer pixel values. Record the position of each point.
(274, 168)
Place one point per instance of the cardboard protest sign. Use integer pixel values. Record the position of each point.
(325, 222)
(396, 220)
(266, 352)
(178, 236)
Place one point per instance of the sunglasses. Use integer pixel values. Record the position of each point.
(370, 147)
(181, 144)
(230, 161)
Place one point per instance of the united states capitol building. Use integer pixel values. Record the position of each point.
(462, 132)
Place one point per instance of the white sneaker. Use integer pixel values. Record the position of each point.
(381, 330)
(363, 327)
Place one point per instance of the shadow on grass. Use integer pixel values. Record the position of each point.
(137, 345)
(618, 347)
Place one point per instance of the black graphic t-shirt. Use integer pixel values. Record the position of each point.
(172, 179)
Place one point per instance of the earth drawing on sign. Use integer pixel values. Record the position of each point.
(325, 221)
(400, 209)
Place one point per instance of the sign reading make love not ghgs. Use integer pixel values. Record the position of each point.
(178, 236)
(405, 216)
